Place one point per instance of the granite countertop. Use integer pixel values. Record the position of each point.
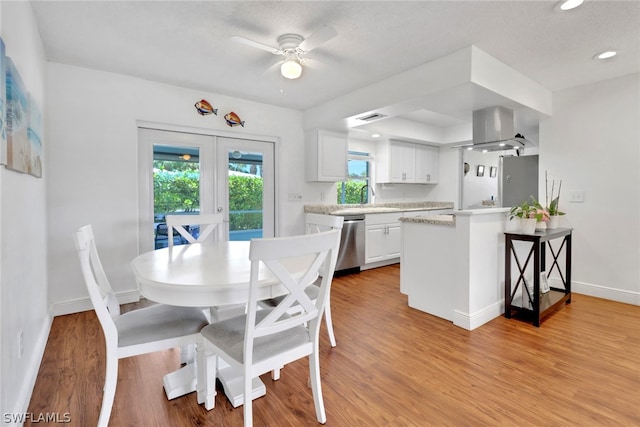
(432, 219)
(376, 208)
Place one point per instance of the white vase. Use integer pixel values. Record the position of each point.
(553, 222)
(528, 225)
(541, 225)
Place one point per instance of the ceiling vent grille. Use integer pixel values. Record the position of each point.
(371, 117)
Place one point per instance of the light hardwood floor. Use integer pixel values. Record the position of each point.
(393, 366)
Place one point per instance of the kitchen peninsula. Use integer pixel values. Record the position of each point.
(371, 235)
(432, 207)
(452, 266)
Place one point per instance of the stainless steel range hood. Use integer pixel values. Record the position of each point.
(493, 130)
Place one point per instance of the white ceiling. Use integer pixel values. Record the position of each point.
(187, 43)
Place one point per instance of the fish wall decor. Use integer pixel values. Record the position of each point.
(233, 119)
(204, 108)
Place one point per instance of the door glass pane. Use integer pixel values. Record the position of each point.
(246, 187)
(176, 188)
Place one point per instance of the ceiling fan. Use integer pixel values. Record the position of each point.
(294, 48)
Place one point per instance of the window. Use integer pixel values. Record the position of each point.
(353, 191)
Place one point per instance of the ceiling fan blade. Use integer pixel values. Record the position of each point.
(319, 37)
(273, 67)
(255, 44)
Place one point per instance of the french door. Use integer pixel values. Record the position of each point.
(187, 173)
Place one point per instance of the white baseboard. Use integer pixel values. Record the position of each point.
(26, 391)
(479, 318)
(380, 263)
(84, 304)
(599, 291)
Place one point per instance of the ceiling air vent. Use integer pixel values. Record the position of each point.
(371, 117)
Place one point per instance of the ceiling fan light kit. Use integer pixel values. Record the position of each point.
(291, 69)
(293, 47)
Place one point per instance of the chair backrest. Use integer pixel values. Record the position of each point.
(178, 222)
(315, 223)
(102, 296)
(273, 253)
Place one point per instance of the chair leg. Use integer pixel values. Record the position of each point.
(201, 373)
(275, 374)
(329, 322)
(248, 399)
(316, 386)
(187, 353)
(210, 367)
(109, 392)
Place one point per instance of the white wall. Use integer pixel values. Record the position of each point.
(93, 164)
(592, 143)
(23, 210)
(478, 188)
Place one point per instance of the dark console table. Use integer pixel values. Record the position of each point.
(537, 305)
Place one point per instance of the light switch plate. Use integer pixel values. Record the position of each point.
(576, 197)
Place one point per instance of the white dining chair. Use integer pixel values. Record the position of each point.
(141, 331)
(211, 221)
(266, 339)
(315, 223)
(178, 223)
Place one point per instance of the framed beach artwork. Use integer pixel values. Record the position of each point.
(17, 117)
(34, 130)
(3, 106)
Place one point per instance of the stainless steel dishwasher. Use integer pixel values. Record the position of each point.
(351, 253)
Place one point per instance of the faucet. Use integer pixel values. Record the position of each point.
(364, 187)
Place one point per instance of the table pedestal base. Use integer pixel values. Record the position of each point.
(234, 389)
(183, 381)
(180, 382)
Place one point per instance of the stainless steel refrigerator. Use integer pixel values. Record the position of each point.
(518, 179)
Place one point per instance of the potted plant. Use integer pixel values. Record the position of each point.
(552, 208)
(530, 214)
(540, 213)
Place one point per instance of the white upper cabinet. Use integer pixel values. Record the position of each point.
(402, 162)
(326, 156)
(406, 162)
(427, 164)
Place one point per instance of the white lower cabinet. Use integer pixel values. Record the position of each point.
(411, 214)
(383, 238)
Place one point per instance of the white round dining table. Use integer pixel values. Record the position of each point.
(206, 274)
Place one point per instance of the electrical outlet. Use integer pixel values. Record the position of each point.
(576, 197)
(295, 197)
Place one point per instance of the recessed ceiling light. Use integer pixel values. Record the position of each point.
(606, 54)
(469, 148)
(375, 135)
(568, 4)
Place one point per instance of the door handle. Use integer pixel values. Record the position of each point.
(220, 210)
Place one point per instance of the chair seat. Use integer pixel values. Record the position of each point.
(158, 322)
(229, 336)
